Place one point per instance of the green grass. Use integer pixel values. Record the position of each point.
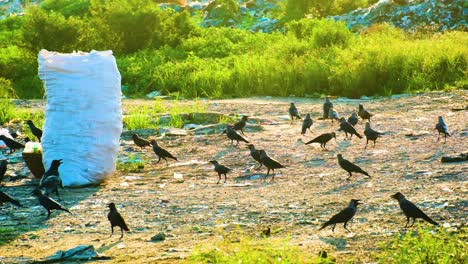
(133, 163)
(437, 246)
(140, 117)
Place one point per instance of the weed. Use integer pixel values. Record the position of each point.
(133, 163)
(140, 118)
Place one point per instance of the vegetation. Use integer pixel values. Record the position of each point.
(165, 50)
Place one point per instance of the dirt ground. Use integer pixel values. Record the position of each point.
(303, 196)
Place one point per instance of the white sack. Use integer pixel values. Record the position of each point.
(83, 115)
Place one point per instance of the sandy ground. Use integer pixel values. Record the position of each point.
(304, 195)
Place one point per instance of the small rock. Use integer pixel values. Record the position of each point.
(159, 237)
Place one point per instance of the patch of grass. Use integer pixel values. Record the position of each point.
(426, 246)
(140, 118)
(245, 249)
(133, 163)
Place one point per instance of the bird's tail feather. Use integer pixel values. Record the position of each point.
(13, 201)
(358, 135)
(428, 219)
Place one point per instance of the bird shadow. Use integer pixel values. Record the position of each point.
(339, 243)
(346, 186)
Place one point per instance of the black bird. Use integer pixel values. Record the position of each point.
(344, 216)
(293, 113)
(26, 140)
(51, 180)
(350, 167)
(323, 139)
(15, 134)
(161, 153)
(220, 169)
(270, 163)
(116, 220)
(35, 131)
(326, 107)
(255, 153)
(353, 119)
(3, 169)
(241, 124)
(11, 144)
(5, 198)
(363, 113)
(371, 134)
(233, 135)
(48, 203)
(266, 232)
(442, 128)
(410, 210)
(306, 124)
(142, 143)
(333, 115)
(348, 128)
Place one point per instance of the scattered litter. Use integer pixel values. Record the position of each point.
(79, 253)
(153, 94)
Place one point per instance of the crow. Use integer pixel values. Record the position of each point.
(353, 119)
(270, 163)
(5, 198)
(233, 135)
(142, 143)
(348, 128)
(293, 113)
(3, 169)
(350, 167)
(323, 139)
(11, 144)
(35, 131)
(48, 203)
(371, 134)
(255, 153)
(410, 210)
(363, 113)
(306, 124)
(241, 124)
(442, 128)
(51, 180)
(220, 169)
(344, 216)
(266, 232)
(326, 107)
(116, 220)
(333, 115)
(161, 153)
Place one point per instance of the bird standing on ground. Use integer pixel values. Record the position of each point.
(363, 113)
(348, 128)
(51, 180)
(293, 113)
(323, 139)
(353, 119)
(350, 167)
(442, 128)
(48, 203)
(220, 169)
(241, 124)
(371, 134)
(161, 153)
(5, 198)
(11, 144)
(141, 142)
(233, 135)
(34, 130)
(344, 216)
(326, 107)
(410, 210)
(270, 163)
(306, 124)
(116, 219)
(3, 169)
(333, 115)
(255, 154)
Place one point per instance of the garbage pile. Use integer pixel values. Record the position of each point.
(438, 15)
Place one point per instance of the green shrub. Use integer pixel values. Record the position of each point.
(7, 111)
(67, 7)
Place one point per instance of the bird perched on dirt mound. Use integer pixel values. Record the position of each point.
(323, 139)
(220, 169)
(5, 198)
(241, 124)
(306, 124)
(344, 216)
(161, 153)
(11, 144)
(233, 135)
(270, 163)
(51, 180)
(48, 203)
(142, 143)
(255, 153)
(350, 167)
(293, 113)
(116, 219)
(34, 130)
(371, 134)
(363, 113)
(348, 128)
(353, 119)
(442, 128)
(326, 107)
(410, 210)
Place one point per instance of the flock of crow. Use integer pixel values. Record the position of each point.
(51, 181)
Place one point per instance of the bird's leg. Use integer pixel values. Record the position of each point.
(333, 228)
(237, 143)
(112, 231)
(367, 142)
(445, 138)
(273, 176)
(167, 164)
(48, 213)
(374, 143)
(414, 220)
(219, 177)
(242, 131)
(121, 233)
(407, 222)
(345, 227)
(159, 159)
(225, 177)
